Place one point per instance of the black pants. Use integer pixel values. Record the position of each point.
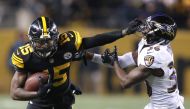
(32, 106)
(64, 101)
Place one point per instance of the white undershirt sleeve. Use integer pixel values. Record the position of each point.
(126, 60)
(97, 59)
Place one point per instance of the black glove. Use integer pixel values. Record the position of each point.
(44, 88)
(75, 90)
(109, 57)
(132, 27)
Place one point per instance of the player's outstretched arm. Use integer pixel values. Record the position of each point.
(135, 76)
(17, 91)
(105, 38)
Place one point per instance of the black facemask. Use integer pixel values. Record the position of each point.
(44, 47)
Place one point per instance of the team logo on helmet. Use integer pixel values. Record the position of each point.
(67, 55)
(149, 60)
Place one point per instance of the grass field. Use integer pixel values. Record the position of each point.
(92, 102)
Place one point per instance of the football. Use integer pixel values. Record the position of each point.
(33, 81)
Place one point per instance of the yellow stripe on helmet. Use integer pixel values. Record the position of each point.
(44, 24)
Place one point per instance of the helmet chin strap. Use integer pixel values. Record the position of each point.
(45, 55)
(163, 42)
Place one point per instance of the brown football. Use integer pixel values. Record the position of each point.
(33, 81)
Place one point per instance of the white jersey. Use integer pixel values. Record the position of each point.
(163, 90)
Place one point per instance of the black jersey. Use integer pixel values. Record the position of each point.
(69, 45)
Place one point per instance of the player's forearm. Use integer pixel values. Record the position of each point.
(135, 76)
(101, 39)
(119, 72)
(22, 95)
(125, 79)
(128, 82)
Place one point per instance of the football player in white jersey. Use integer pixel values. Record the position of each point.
(154, 63)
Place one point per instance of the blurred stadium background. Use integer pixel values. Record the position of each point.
(100, 86)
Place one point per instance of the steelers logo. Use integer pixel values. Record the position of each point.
(149, 60)
(67, 55)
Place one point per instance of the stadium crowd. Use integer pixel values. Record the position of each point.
(97, 13)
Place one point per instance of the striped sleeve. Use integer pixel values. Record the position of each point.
(17, 61)
(71, 37)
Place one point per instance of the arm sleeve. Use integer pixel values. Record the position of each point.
(126, 60)
(101, 39)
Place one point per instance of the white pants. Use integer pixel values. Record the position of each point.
(179, 105)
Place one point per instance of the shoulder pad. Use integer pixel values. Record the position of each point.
(158, 58)
(72, 37)
(17, 60)
(21, 55)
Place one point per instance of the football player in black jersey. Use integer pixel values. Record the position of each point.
(51, 51)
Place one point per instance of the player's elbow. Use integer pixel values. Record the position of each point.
(13, 95)
(14, 98)
(127, 83)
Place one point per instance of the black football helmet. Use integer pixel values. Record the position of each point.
(43, 36)
(158, 28)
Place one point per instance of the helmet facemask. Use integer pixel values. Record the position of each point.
(44, 40)
(44, 47)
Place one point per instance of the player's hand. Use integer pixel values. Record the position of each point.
(132, 27)
(81, 56)
(115, 55)
(75, 90)
(109, 57)
(44, 88)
